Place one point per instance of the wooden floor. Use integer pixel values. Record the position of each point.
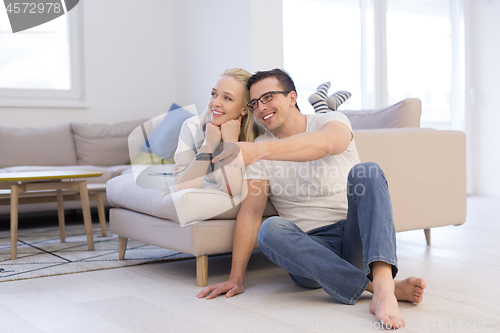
(461, 268)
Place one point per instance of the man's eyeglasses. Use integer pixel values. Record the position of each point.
(264, 99)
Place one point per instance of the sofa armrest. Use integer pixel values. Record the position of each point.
(425, 170)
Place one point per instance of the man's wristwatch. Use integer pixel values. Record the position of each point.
(204, 157)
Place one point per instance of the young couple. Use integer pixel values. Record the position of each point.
(339, 234)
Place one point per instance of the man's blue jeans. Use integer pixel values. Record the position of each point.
(337, 257)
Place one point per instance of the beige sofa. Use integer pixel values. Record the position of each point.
(425, 169)
(75, 146)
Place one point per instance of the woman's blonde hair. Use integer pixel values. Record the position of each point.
(249, 129)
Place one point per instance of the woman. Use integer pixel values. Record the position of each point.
(226, 121)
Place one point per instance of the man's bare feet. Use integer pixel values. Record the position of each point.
(410, 289)
(384, 303)
(384, 306)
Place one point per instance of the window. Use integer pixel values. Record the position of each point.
(419, 54)
(382, 52)
(41, 67)
(322, 43)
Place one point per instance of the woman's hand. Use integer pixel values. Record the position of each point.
(213, 136)
(231, 130)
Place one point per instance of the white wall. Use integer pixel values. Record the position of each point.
(484, 51)
(212, 36)
(267, 34)
(129, 56)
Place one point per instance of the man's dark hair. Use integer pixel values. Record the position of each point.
(281, 75)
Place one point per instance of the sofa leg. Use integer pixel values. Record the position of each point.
(202, 270)
(60, 215)
(122, 246)
(102, 214)
(428, 236)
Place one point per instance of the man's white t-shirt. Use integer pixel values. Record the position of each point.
(311, 194)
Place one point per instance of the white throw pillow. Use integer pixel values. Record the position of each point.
(403, 114)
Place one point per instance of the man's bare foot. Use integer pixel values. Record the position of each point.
(410, 289)
(384, 306)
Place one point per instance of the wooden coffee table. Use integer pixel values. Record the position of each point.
(38, 184)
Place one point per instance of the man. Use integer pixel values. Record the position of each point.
(335, 228)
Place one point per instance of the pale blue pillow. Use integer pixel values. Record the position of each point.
(163, 141)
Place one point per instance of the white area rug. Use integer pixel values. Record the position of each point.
(41, 253)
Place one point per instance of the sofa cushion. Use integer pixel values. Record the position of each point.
(403, 114)
(185, 207)
(37, 146)
(101, 144)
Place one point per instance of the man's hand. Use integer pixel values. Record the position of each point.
(230, 288)
(240, 154)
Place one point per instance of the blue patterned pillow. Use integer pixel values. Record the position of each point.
(163, 140)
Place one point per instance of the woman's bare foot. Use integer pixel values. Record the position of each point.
(410, 289)
(384, 306)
